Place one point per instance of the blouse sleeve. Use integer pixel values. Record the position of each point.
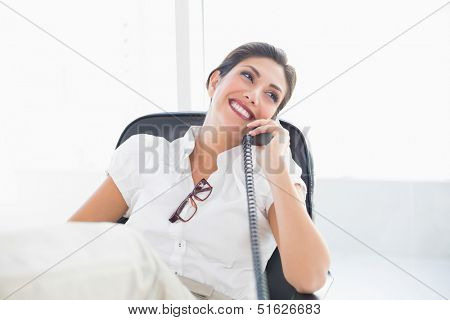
(295, 172)
(124, 170)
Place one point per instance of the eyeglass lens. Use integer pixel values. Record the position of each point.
(203, 194)
(188, 210)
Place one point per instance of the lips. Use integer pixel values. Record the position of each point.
(243, 106)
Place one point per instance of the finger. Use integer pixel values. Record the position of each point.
(258, 122)
(262, 129)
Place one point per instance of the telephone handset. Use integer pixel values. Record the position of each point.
(263, 138)
(262, 289)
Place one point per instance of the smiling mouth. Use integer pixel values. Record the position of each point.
(244, 113)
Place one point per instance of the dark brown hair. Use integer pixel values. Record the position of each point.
(259, 49)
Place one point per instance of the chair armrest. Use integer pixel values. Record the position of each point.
(304, 296)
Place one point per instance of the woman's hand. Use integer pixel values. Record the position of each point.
(271, 156)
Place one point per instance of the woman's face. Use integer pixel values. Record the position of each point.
(252, 90)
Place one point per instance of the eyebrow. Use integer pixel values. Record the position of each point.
(259, 76)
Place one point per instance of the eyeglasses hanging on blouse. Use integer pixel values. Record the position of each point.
(185, 212)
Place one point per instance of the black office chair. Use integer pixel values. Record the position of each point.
(173, 125)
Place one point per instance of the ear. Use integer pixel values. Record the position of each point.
(213, 82)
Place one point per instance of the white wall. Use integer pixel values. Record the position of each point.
(64, 103)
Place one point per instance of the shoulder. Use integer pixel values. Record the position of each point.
(158, 149)
(143, 144)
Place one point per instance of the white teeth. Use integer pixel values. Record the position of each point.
(239, 109)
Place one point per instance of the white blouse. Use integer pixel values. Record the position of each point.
(154, 177)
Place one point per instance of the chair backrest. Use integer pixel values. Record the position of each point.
(173, 125)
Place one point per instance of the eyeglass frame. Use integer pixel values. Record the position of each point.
(193, 194)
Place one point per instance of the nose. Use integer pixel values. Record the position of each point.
(251, 98)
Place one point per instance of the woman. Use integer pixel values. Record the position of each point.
(210, 246)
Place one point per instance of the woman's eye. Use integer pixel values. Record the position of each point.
(247, 74)
(274, 96)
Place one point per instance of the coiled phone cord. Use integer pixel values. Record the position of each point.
(261, 279)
